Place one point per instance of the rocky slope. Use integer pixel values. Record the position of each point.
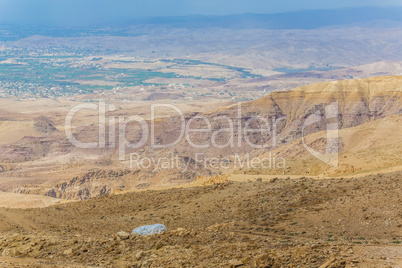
(99, 182)
(375, 146)
(303, 222)
(359, 107)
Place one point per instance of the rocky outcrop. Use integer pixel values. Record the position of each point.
(92, 184)
(100, 182)
(44, 125)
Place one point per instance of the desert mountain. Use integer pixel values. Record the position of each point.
(356, 102)
(364, 110)
(372, 147)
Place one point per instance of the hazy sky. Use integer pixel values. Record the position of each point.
(81, 12)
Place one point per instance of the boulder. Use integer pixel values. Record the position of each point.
(123, 235)
(149, 229)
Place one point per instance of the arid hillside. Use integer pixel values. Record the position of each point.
(372, 147)
(355, 102)
(366, 111)
(144, 136)
(298, 222)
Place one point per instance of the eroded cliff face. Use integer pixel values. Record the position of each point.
(99, 182)
(92, 184)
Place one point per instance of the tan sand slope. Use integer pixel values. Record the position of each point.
(371, 147)
(13, 200)
(13, 131)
